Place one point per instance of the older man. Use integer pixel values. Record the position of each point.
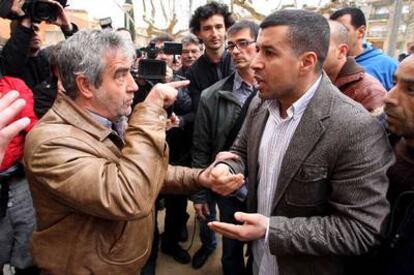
(348, 76)
(192, 50)
(399, 107)
(316, 160)
(374, 61)
(94, 182)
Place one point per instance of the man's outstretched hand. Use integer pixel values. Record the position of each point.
(218, 177)
(253, 228)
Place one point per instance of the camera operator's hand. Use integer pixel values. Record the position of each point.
(164, 95)
(62, 19)
(16, 7)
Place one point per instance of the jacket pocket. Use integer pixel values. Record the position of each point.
(308, 187)
(124, 243)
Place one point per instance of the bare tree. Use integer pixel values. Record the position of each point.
(168, 14)
(248, 6)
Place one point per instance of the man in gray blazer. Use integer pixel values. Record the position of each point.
(316, 161)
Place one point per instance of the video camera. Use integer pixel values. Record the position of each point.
(155, 70)
(38, 10)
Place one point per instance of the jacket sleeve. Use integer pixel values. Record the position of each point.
(181, 180)
(358, 184)
(183, 104)
(14, 55)
(373, 95)
(239, 146)
(44, 95)
(124, 189)
(193, 89)
(202, 146)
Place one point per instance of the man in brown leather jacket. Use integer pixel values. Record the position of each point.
(94, 178)
(349, 77)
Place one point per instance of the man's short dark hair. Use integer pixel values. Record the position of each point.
(357, 16)
(245, 24)
(162, 38)
(307, 31)
(208, 10)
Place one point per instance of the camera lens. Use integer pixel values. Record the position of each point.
(45, 11)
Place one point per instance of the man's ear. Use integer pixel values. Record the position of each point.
(361, 31)
(85, 89)
(343, 50)
(308, 62)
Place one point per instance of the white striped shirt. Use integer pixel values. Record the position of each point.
(275, 140)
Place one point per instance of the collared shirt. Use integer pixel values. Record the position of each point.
(118, 127)
(275, 140)
(241, 88)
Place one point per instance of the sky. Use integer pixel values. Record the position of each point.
(113, 9)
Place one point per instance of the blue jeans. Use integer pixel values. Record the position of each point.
(207, 236)
(17, 226)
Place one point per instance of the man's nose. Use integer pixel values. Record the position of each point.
(391, 98)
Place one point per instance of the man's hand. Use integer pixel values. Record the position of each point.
(16, 7)
(253, 228)
(62, 19)
(164, 95)
(220, 180)
(10, 107)
(202, 210)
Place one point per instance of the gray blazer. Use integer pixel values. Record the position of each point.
(330, 199)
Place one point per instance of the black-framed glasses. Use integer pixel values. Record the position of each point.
(240, 44)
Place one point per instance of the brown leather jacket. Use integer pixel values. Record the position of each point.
(353, 81)
(94, 202)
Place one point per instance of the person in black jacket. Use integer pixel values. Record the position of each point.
(219, 118)
(399, 107)
(45, 93)
(22, 56)
(179, 142)
(209, 23)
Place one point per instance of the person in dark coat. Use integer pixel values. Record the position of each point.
(22, 56)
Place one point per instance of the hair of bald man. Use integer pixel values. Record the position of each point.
(339, 33)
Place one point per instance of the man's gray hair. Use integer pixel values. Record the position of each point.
(192, 39)
(83, 54)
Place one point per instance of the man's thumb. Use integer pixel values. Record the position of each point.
(241, 216)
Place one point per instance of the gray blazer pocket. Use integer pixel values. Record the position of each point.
(308, 187)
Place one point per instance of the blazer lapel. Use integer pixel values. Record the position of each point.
(307, 134)
(259, 120)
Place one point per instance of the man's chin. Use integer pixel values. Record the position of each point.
(263, 95)
(215, 46)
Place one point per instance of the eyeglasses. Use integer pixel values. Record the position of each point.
(240, 44)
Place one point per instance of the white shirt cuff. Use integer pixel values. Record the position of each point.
(267, 230)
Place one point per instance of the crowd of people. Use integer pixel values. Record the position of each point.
(293, 138)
